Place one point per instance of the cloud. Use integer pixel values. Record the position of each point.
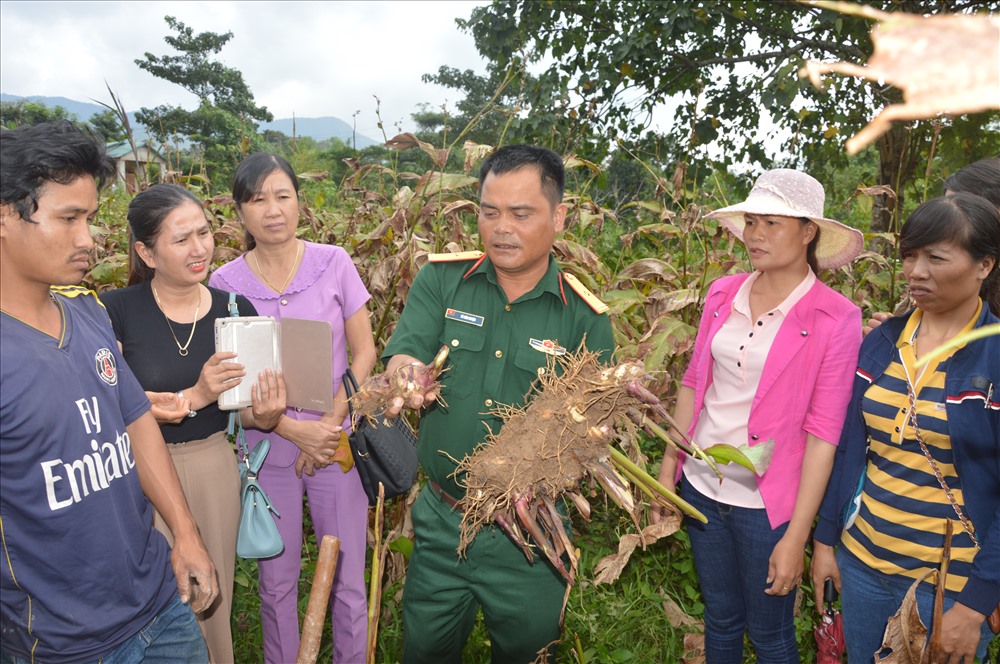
(307, 58)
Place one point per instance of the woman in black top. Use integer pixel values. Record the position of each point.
(164, 321)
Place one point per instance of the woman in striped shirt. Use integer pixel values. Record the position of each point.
(921, 444)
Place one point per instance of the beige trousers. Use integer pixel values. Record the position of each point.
(211, 483)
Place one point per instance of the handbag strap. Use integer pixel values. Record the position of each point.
(350, 388)
(934, 467)
(234, 312)
(241, 437)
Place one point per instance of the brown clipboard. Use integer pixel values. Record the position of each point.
(307, 362)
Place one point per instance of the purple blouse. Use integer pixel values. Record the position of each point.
(326, 287)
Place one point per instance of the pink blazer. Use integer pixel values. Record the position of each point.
(804, 388)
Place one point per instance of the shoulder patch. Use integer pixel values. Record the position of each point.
(454, 257)
(592, 300)
(75, 291)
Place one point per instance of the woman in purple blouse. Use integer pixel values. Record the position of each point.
(285, 276)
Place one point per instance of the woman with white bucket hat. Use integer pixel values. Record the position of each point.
(773, 361)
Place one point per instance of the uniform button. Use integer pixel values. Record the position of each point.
(739, 364)
(804, 333)
(902, 410)
(541, 371)
(489, 403)
(754, 437)
(751, 334)
(759, 323)
(716, 314)
(741, 347)
(454, 342)
(507, 308)
(499, 353)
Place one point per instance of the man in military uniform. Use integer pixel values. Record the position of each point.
(502, 314)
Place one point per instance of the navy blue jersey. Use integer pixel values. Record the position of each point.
(83, 569)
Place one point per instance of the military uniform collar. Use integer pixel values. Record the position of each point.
(551, 281)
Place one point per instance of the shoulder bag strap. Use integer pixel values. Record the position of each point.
(934, 467)
(234, 312)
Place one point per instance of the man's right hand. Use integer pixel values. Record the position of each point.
(418, 398)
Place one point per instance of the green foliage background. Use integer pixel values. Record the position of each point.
(651, 260)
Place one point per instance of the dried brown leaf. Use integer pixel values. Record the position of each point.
(947, 63)
(694, 649)
(403, 141)
(906, 633)
(474, 152)
(676, 615)
(648, 268)
(610, 567)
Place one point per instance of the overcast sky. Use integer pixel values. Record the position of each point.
(312, 59)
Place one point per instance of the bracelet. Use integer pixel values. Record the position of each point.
(191, 413)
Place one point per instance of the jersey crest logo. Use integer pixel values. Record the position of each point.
(107, 369)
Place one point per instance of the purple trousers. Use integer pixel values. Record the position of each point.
(338, 507)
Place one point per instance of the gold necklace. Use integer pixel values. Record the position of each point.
(284, 285)
(183, 350)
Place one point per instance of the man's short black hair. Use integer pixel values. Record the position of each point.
(57, 152)
(515, 157)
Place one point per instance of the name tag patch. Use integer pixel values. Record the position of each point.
(547, 346)
(462, 317)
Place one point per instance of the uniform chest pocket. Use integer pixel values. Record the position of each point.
(462, 336)
(532, 361)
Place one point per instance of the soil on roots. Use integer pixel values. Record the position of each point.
(548, 448)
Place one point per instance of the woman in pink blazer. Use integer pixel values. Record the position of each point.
(774, 359)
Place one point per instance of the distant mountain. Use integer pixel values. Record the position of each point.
(318, 129)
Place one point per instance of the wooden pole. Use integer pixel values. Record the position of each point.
(319, 598)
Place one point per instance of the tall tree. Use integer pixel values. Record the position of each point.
(732, 64)
(224, 125)
(107, 124)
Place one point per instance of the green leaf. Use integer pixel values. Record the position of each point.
(403, 545)
(756, 458)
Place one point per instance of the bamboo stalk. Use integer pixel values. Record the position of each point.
(319, 598)
(375, 587)
(625, 463)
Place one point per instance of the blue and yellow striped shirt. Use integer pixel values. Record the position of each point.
(900, 528)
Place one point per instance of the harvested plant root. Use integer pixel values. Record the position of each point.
(378, 392)
(547, 450)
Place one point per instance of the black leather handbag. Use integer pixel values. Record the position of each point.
(385, 451)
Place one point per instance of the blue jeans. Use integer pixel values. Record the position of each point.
(172, 637)
(869, 598)
(731, 554)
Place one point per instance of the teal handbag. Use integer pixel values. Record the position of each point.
(258, 535)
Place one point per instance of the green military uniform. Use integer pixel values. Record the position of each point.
(498, 349)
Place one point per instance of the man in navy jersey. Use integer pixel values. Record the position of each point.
(84, 576)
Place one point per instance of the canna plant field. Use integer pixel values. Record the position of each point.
(650, 260)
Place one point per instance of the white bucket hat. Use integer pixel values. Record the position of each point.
(789, 193)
